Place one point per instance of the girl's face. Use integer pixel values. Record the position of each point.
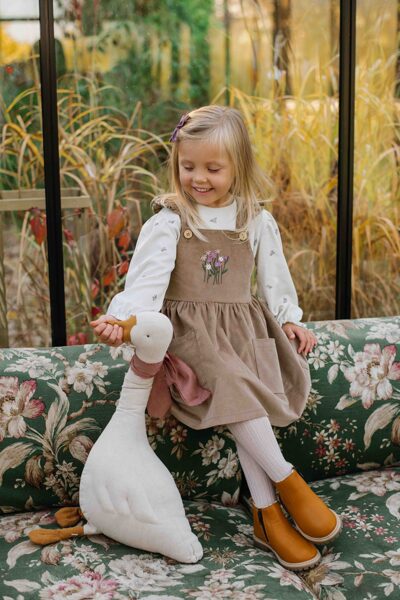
(205, 172)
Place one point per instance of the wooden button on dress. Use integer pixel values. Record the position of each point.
(187, 234)
(243, 236)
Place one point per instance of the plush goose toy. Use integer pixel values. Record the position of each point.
(126, 492)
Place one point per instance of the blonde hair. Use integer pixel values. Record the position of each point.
(223, 126)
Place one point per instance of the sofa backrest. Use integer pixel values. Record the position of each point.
(352, 419)
(54, 403)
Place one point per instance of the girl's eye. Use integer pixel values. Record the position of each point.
(211, 170)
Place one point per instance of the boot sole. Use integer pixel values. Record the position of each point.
(301, 566)
(328, 538)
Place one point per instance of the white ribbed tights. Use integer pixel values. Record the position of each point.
(261, 458)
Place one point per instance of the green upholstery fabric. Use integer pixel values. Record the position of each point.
(363, 563)
(352, 418)
(54, 402)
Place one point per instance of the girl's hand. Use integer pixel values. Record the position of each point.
(107, 330)
(306, 337)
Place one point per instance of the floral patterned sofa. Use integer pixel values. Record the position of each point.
(54, 403)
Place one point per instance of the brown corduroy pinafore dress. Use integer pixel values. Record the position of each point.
(230, 338)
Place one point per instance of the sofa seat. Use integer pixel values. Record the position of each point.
(365, 557)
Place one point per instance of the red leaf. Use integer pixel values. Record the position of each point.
(123, 267)
(115, 221)
(124, 239)
(68, 235)
(109, 277)
(77, 339)
(38, 225)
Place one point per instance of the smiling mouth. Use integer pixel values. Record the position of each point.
(202, 190)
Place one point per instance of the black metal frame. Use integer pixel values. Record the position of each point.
(52, 166)
(344, 237)
(48, 80)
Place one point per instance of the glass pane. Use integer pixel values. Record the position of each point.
(127, 71)
(376, 230)
(24, 294)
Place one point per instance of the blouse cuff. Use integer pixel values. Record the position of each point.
(291, 314)
(119, 310)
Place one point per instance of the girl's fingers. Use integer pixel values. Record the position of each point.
(103, 319)
(109, 333)
(96, 322)
(99, 330)
(308, 341)
(118, 335)
(106, 332)
(114, 334)
(312, 342)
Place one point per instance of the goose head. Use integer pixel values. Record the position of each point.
(151, 334)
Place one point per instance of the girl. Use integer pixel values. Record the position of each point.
(194, 261)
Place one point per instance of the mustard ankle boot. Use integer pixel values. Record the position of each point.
(272, 531)
(312, 517)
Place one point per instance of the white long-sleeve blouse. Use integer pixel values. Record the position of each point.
(154, 257)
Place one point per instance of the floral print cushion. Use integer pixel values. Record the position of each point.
(363, 562)
(97, 567)
(54, 402)
(352, 418)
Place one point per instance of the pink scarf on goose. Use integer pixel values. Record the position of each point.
(171, 372)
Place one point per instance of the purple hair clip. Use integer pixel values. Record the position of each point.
(184, 119)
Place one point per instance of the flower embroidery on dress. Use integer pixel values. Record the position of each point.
(214, 265)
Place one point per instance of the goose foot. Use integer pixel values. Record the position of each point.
(43, 537)
(68, 516)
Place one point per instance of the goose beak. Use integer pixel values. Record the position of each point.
(127, 325)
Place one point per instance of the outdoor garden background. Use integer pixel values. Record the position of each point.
(127, 70)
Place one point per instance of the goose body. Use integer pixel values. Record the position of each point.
(126, 492)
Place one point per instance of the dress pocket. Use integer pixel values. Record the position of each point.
(267, 362)
(182, 341)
